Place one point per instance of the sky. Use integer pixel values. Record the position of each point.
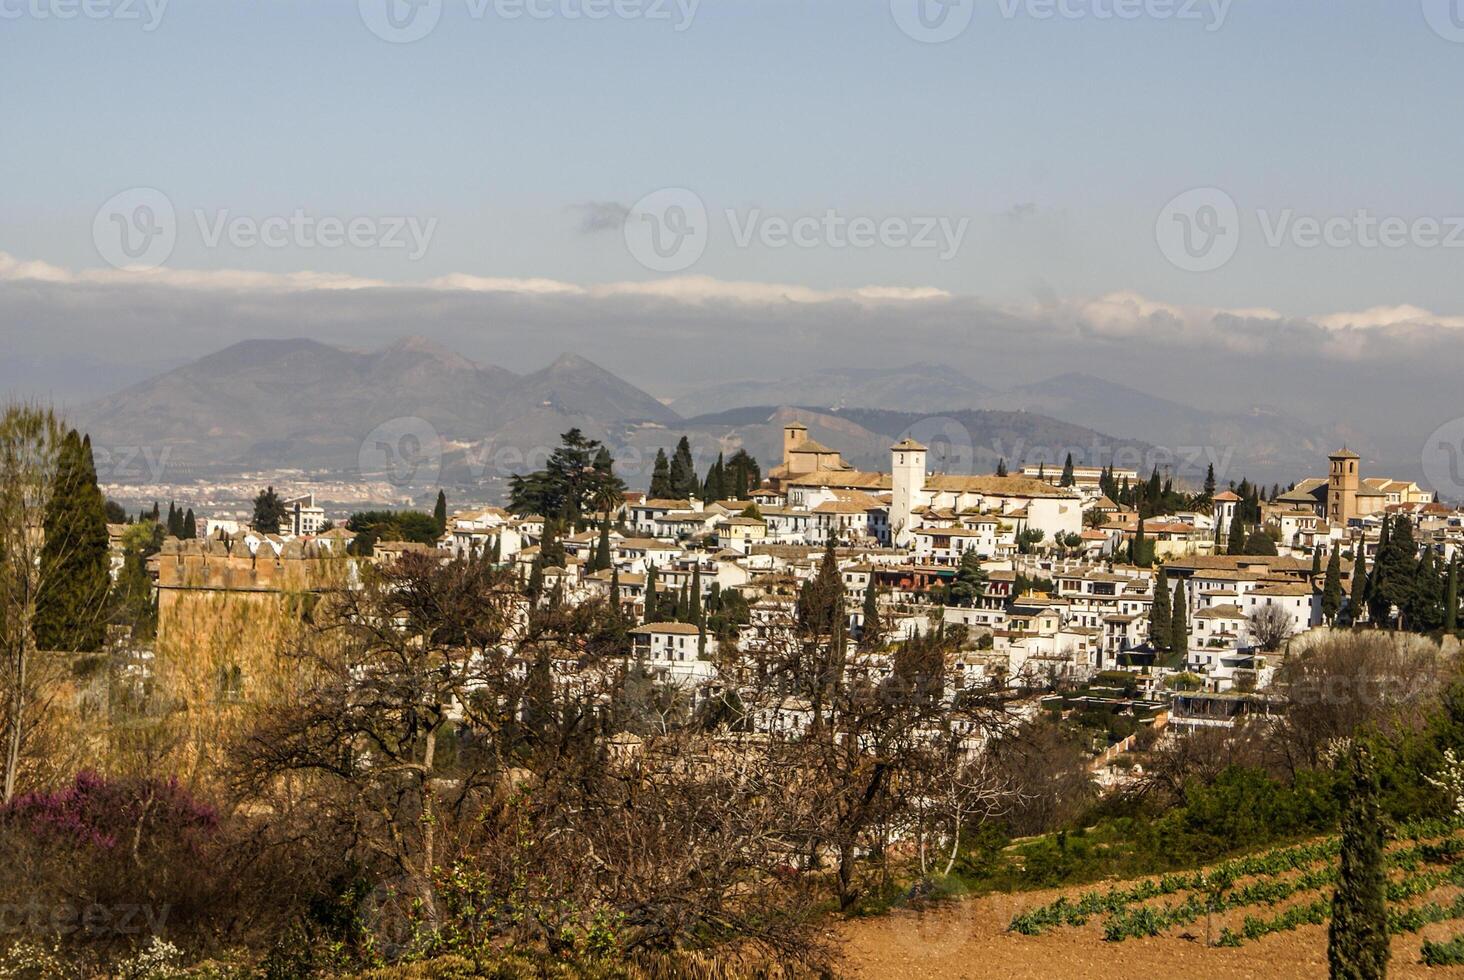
(861, 180)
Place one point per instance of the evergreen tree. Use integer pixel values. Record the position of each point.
(1235, 543)
(615, 609)
(175, 521)
(269, 511)
(743, 475)
(496, 555)
(683, 471)
(693, 599)
(439, 511)
(535, 588)
(1042, 470)
(715, 487)
(1332, 589)
(1357, 601)
(1209, 494)
(1161, 630)
(653, 596)
(1393, 576)
(551, 547)
(660, 478)
(1067, 479)
(1316, 561)
(190, 525)
(1179, 622)
(872, 629)
(75, 563)
(1357, 938)
(1258, 542)
(1451, 599)
(1001, 467)
(1139, 548)
(601, 560)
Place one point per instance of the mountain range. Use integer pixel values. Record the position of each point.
(305, 405)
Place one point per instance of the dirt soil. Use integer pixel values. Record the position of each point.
(969, 939)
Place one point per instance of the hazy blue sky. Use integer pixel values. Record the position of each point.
(1060, 139)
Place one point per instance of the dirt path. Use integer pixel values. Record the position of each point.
(969, 939)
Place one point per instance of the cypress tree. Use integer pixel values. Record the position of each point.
(1357, 601)
(1235, 545)
(1332, 589)
(1067, 478)
(660, 478)
(439, 512)
(1001, 467)
(1209, 483)
(683, 471)
(1451, 599)
(190, 525)
(1179, 622)
(1357, 938)
(693, 600)
(602, 548)
(536, 579)
(1316, 561)
(872, 628)
(615, 592)
(1161, 630)
(653, 599)
(496, 555)
(75, 564)
(1139, 549)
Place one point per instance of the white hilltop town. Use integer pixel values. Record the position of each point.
(1055, 585)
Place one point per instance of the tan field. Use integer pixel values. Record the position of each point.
(969, 939)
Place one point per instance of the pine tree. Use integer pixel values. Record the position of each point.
(439, 512)
(75, 563)
(601, 560)
(660, 488)
(1332, 589)
(1161, 631)
(190, 525)
(1357, 938)
(269, 512)
(1067, 479)
(1179, 622)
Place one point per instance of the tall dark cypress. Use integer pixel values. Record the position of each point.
(1451, 599)
(871, 630)
(1357, 600)
(439, 512)
(190, 525)
(660, 488)
(1332, 587)
(1235, 544)
(1160, 628)
(1067, 479)
(1357, 938)
(75, 564)
(602, 548)
(1179, 622)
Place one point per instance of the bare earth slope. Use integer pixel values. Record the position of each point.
(968, 939)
